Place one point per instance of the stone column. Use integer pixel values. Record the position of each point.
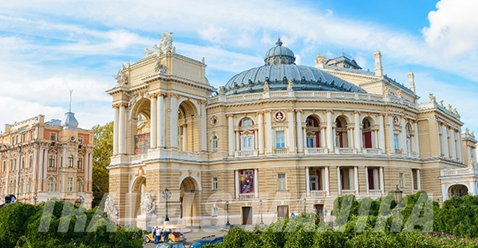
(330, 134)
(452, 144)
(444, 136)
(268, 132)
(184, 141)
(416, 139)
(121, 129)
(41, 165)
(358, 132)
(230, 131)
(238, 140)
(203, 133)
(419, 181)
(307, 181)
(382, 183)
(116, 130)
(366, 181)
(339, 181)
(45, 167)
(173, 121)
(291, 130)
(256, 183)
(153, 143)
(413, 183)
(390, 133)
(404, 136)
(323, 130)
(356, 180)
(236, 183)
(260, 139)
(160, 121)
(381, 134)
(300, 138)
(35, 167)
(327, 183)
(458, 147)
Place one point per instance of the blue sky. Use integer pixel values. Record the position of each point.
(48, 48)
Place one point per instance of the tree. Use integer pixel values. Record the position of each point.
(101, 159)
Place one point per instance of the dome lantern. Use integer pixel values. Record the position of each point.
(279, 55)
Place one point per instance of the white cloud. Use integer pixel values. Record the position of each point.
(453, 27)
(213, 34)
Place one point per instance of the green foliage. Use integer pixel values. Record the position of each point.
(61, 224)
(300, 231)
(373, 240)
(328, 238)
(236, 237)
(101, 159)
(458, 216)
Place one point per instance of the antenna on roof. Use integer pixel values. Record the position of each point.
(71, 93)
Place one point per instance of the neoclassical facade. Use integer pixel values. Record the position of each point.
(276, 139)
(42, 160)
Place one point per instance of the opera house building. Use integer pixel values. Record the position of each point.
(275, 140)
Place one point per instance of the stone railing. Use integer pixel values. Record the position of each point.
(344, 150)
(318, 193)
(348, 192)
(315, 150)
(371, 150)
(280, 150)
(247, 153)
(307, 94)
(459, 171)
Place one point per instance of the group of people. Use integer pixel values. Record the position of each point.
(160, 232)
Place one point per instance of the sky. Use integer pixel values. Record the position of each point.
(49, 47)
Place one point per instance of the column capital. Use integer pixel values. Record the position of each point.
(173, 95)
(357, 112)
(298, 110)
(229, 115)
(202, 102)
(153, 95)
(329, 111)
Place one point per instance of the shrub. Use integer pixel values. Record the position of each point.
(328, 238)
(373, 240)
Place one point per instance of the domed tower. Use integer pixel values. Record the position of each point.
(70, 121)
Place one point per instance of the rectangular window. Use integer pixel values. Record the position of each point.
(30, 162)
(214, 144)
(215, 212)
(70, 184)
(313, 183)
(52, 163)
(80, 163)
(247, 143)
(310, 141)
(280, 140)
(401, 178)
(396, 145)
(214, 183)
(53, 136)
(80, 139)
(281, 182)
(70, 162)
(4, 166)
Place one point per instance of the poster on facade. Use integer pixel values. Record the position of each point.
(247, 181)
(141, 143)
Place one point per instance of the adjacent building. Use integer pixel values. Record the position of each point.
(42, 160)
(276, 139)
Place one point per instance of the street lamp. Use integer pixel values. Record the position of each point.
(260, 208)
(166, 194)
(305, 205)
(398, 194)
(227, 214)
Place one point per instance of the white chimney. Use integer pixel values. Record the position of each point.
(411, 82)
(378, 64)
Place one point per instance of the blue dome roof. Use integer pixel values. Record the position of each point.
(70, 121)
(279, 69)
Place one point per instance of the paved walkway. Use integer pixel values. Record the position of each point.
(194, 234)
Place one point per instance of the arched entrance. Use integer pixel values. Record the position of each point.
(189, 201)
(457, 190)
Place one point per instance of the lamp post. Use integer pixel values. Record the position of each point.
(227, 214)
(166, 194)
(260, 208)
(398, 194)
(305, 205)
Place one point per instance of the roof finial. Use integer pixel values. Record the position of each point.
(71, 92)
(279, 42)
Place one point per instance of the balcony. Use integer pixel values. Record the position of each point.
(375, 193)
(315, 150)
(348, 192)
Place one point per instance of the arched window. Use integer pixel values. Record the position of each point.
(246, 134)
(51, 185)
(367, 139)
(214, 143)
(341, 132)
(312, 132)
